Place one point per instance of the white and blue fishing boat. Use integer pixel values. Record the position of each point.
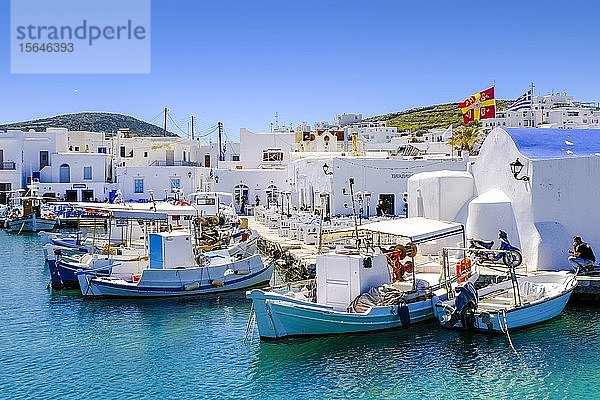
(363, 291)
(515, 303)
(30, 213)
(175, 271)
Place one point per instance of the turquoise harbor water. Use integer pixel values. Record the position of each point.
(54, 345)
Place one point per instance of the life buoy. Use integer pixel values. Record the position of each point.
(411, 250)
(393, 259)
(182, 203)
(401, 250)
(462, 266)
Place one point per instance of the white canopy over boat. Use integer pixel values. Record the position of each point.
(417, 229)
(158, 207)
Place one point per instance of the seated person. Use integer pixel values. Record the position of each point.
(582, 258)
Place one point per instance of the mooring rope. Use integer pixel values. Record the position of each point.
(504, 329)
(250, 322)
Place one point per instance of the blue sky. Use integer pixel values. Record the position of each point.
(241, 61)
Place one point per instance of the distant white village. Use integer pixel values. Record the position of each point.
(298, 167)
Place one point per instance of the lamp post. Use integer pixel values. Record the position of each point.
(515, 168)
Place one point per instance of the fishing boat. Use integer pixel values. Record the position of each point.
(366, 289)
(515, 303)
(30, 213)
(175, 271)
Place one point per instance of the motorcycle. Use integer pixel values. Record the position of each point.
(511, 256)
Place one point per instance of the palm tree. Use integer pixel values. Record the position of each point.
(465, 137)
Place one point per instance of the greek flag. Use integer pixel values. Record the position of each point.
(524, 101)
(211, 174)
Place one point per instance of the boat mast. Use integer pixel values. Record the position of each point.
(351, 182)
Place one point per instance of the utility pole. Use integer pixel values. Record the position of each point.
(531, 107)
(192, 128)
(220, 141)
(165, 123)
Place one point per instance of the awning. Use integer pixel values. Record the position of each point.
(150, 215)
(417, 229)
(161, 207)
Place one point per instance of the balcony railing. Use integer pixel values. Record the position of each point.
(157, 163)
(8, 165)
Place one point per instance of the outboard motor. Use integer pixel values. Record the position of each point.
(464, 306)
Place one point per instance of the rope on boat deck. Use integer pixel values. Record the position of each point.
(504, 329)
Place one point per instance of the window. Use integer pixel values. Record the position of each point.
(145, 154)
(122, 151)
(87, 173)
(272, 155)
(175, 184)
(138, 185)
(102, 150)
(44, 159)
(235, 157)
(76, 148)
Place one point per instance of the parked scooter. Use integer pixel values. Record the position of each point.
(511, 256)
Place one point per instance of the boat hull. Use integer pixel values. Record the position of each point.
(522, 317)
(516, 317)
(278, 316)
(31, 224)
(180, 282)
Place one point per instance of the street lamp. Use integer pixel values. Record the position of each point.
(515, 168)
(326, 170)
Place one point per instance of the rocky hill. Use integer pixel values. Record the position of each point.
(91, 121)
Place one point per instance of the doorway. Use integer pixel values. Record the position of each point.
(170, 158)
(4, 192)
(87, 195)
(70, 195)
(65, 174)
(388, 206)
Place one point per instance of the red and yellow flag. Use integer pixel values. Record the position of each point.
(479, 106)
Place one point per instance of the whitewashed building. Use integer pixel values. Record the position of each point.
(344, 119)
(317, 178)
(376, 131)
(557, 110)
(541, 206)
